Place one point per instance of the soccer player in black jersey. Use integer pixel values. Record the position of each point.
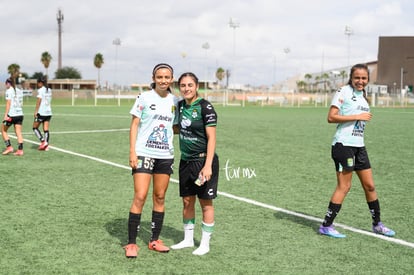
(199, 164)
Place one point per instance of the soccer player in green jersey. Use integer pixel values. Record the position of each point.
(199, 164)
(350, 110)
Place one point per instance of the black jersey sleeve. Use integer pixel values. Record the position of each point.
(208, 113)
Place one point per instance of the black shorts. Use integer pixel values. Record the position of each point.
(350, 158)
(154, 166)
(40, 118)
(189, 171)
(16, 120)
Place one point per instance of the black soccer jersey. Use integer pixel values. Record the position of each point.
(192, 120)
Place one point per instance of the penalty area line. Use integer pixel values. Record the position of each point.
(245, 200)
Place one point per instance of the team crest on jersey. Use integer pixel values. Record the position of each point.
(195, 113)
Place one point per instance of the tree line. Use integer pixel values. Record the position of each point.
(61, 73)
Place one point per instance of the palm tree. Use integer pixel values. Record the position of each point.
(98, 61)
(45, 59)
(317, 82)
(220, 74)
(14, 71)
(301, 85)
(228, 74)
(344, 75)
(325, 78)
(308, 77)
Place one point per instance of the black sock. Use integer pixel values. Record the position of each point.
(374, 208)
(37, 134)
(333, 210)
(134, 222)
(20, 146)
(47, 136)
(156, 224)
(7, 143)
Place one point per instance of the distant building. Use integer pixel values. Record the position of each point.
(65, 84)
(393, 70)
(396, 62)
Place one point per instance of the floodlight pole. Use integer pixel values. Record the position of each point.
(234, 25)
(206, 46)
(348, 32)
(117, 43)
(59, 18)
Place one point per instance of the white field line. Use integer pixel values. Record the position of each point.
(91, 115)
(249, 201)
(85, 131)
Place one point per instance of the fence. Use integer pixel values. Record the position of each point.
(227, 98)
(221, 97)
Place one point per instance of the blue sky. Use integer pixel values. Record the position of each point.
(175, 32)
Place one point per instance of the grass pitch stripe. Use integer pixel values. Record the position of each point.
(249, 201)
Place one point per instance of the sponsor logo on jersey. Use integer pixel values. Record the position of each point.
(358, 130)
(211, 118)
(162, 118)
(185, 122)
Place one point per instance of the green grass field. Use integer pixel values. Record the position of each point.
(65, 211)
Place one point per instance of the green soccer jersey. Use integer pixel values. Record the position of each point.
(193, 119)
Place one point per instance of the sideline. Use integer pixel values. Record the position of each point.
(249, 201)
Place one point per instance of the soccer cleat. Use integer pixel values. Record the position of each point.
(131, 250)
(8, 150)
(18, 153)
(43, 146)
(159, 246)
(330, 231)
(183, 244)
(380, 228)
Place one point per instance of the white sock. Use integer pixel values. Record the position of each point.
(204, 248)
(188, 237)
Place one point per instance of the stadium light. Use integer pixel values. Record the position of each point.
(348, 32)
(234, 25)
(117, 43)
(206, 46)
